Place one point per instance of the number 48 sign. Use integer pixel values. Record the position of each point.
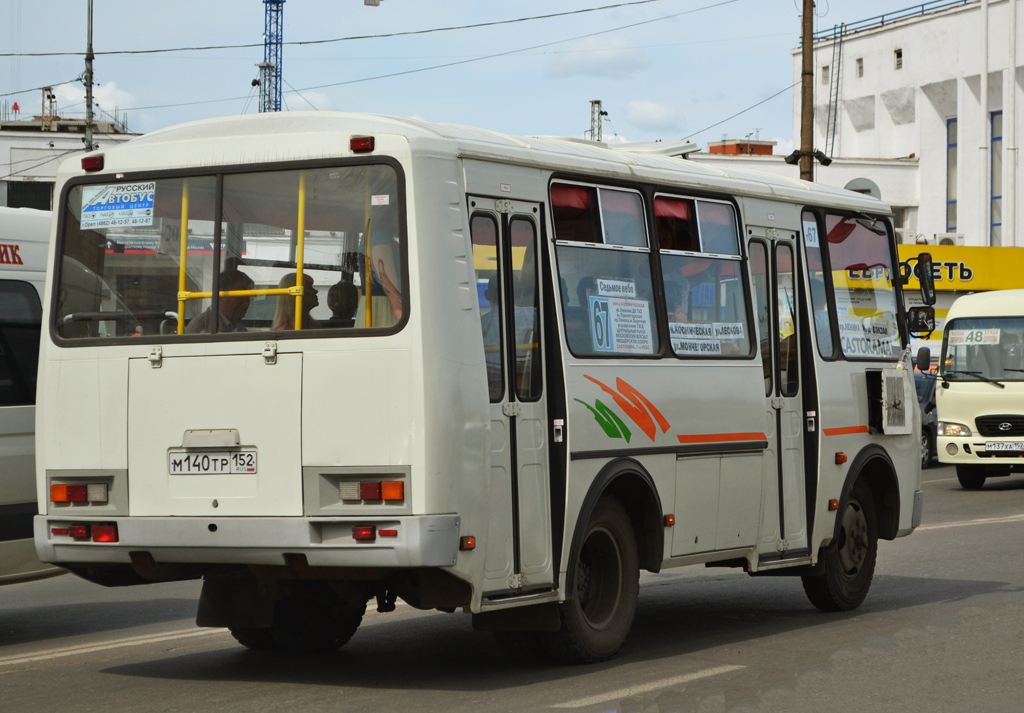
(973, 337)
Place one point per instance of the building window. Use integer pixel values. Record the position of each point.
(824, 74)
(996, 212)
(860, 67)
(899, 59)
(951, 133)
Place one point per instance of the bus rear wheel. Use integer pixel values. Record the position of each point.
(971, 477)
(313, 619)
(255, 639)
(598, 616)
(849, 563)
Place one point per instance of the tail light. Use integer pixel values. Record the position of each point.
(104, 533)
(387, 490)
(364, 533)
(79, 532)
(78, 493)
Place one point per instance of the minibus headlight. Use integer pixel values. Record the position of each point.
(953, 429)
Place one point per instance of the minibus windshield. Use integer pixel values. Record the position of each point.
(223, 254)
(983, 349)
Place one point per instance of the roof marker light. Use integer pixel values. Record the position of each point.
(92, 163)
(361, 144)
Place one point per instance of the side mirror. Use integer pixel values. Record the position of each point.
(920, 320)
(924, 359)
(926, 277)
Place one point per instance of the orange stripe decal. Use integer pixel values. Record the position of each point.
(722, 437)
(845, 431)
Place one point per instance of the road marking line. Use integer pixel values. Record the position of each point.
(965, 523)
(115, 644)
(646, 687)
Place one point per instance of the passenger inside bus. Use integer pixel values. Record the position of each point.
(342, 299)
(232, 308)
(284, 317)
(677, 299)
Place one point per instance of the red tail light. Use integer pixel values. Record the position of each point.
(366, 533)
(79, 532)
(104, 533)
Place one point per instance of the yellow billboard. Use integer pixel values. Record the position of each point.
(967, 268)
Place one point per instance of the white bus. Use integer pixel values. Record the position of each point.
(318, 358)
(24, 235)
(980, 399)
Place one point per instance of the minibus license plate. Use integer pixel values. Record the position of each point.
(1013, 446)
(212, 462)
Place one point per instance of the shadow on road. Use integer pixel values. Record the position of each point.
(677, 616)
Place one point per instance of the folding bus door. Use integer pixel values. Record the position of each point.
(506, 243)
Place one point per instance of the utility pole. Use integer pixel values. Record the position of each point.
(89, 145)
(807, 94)
(270, 67)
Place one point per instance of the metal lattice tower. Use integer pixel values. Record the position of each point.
(270, 67)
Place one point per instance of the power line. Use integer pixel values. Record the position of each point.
(338, 39)
(36, 165)
(37, 89)
(465, 61)
(744, 111)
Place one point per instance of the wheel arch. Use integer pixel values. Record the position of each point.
(875, 466)
(633, 487)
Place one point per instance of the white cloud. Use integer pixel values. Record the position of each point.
(783, 147)
(107, 97)
(297, 102)
(605, 57)
(652, 116)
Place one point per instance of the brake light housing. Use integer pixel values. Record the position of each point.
(361, 144)
(92, 163)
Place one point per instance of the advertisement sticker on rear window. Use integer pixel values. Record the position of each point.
(125, 204)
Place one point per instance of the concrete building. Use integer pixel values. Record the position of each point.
(899, 108)
(32, 148)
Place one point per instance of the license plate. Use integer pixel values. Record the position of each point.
(1004, 446)
(212, 462)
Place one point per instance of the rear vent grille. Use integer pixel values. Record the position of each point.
(996, 426)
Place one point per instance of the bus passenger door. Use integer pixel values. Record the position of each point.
(506, 239)
(784, 531)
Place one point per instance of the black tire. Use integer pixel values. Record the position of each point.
(599, 613)
(849, 562)
(312, 619)
(927, 442)
(255, 639)
(971, 477)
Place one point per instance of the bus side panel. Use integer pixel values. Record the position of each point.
(445, 326)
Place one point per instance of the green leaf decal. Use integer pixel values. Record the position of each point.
(608, 420)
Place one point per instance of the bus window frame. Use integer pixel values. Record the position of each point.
(657, 301)
(821, 213)
(218, 172)
(742, 258)
(830, 298)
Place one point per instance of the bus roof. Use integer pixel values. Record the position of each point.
(297, 135)
(998, 303)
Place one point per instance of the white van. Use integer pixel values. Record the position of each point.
(980, 399)
(24, 234)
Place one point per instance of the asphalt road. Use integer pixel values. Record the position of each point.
(942, 630)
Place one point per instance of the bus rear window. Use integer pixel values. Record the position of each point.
(202, 256)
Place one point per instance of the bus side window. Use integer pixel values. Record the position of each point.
(20, 317)
(819, 291)
(785, 287)
(759, 277)
(484, 234)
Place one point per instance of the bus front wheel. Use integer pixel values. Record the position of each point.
(597, 618)
(849, 563)
(971, 477)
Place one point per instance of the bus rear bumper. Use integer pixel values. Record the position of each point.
(417, 541)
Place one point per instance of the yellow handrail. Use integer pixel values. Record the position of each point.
(300, 246)
(184, 256)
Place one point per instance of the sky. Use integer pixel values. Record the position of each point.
(664, 69)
